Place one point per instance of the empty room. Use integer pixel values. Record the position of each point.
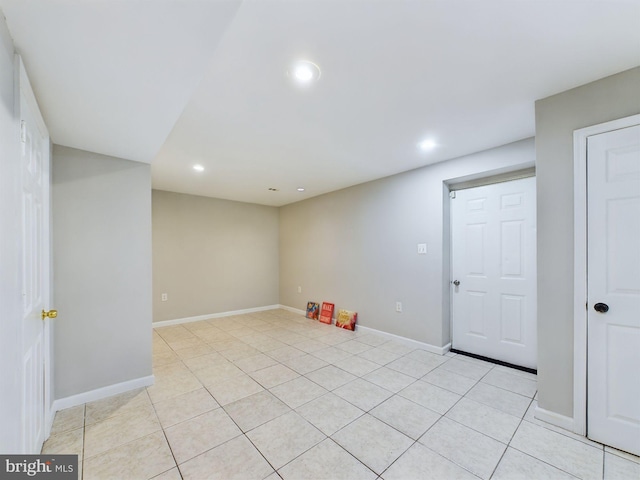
(317, 239)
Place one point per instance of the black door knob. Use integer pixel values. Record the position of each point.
(456, 282)
(601, 307)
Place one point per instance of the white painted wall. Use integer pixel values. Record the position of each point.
(557, 117)
(102, 270)
(10, 253)
(357, 247)
(212, 256)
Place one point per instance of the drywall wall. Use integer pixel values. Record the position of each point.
(556, 119)
(101, 209)
(10, 254)
(357, 247)
(212, 256)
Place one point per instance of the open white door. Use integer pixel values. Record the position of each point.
(493, 240)
(35, 164)
(613, 205)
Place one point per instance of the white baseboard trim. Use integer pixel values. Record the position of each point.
(293, 310)
(554, 418)
(100, 393)
(404, 340)
(407, 341)
(177, 321)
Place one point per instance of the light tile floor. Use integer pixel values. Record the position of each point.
(275, 395)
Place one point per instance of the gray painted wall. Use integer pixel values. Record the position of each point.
(212, 256)
(556, 118)
(10, 253)
(102, 270)
(357, 247)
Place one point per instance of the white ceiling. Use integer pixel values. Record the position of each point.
(179, 82)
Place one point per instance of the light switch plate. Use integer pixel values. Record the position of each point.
(422, 249)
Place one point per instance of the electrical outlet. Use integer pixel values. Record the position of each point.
(299, 289)
(399, 307)
(422, 249)
(164, 297)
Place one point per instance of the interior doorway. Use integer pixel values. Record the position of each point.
(607, 298)
(493, 274)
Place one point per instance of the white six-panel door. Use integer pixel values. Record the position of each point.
(613, 206)
(34, 158)
(493, 240)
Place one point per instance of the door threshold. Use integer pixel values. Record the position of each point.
(493, 360)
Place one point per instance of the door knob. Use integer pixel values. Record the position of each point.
(49, 314)
(456, 282)
(601, 307)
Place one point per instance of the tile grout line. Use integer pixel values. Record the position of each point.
(616, 452)
(544, 462)
(565, 433)
(527, 454)
(466, 426)
(510, 440)
(402, 433)
(443, 416)
(355, 458)
(84, 434)
(417, 441)
(448, 459)
(270, 464)
(164, 433)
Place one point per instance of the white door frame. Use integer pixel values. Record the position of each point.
(580, 264)
(477, 179)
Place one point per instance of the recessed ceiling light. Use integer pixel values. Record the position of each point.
(426, 145)
(300, 189)
(304, 72)
(198, 168)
